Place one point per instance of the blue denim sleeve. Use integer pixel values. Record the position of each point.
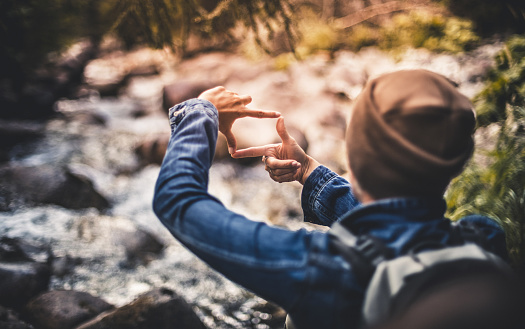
(326, 197)
(270, 261)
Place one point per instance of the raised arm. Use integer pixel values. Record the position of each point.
(269, 261)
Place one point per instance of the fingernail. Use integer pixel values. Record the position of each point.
(231, 150)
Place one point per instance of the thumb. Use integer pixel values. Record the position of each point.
(230, 139)
(281, 130)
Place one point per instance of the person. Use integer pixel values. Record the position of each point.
(409, 134)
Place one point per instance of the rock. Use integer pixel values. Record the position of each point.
(180, 91)
(140, 246)
(153, 148)
(64, 309)
(299, 136)
(9, 319)
(50, 185)
(159, 309)
(24, 271)
(19, 282)
(143, 71)
(134, 245)
(16, 250)
(14, 133)
(64, 265)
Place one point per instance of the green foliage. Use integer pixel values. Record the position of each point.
(505, 84)
(316, 35)
(283, 61)
(168, 23)
(495, 184)
(361, 36)
(417, 29)
(433, 32)
(30, 29)
(312, 35)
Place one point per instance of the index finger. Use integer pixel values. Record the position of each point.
(260, 113)
(251, 152)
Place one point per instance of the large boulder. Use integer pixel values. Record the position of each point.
(136, 246)
(49, 185)
(25, 271)
(180, 91)
(140, 246)
(159, 309)
(152, 149)
(64, 309)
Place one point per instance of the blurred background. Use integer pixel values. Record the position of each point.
(85, 87)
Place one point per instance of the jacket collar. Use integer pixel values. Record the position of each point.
(395, 210)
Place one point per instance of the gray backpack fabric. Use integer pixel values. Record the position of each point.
(393, 276)
(393, 284)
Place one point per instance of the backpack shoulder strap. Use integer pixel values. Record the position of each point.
(363, 252)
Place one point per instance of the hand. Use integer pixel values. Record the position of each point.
(231, 107)
(286, 162)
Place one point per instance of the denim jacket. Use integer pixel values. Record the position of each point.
(298, 270)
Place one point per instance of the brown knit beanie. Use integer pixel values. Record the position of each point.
(409, 134)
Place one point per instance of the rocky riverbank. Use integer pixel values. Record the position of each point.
(80, 246)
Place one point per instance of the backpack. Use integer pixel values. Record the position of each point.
(395, 284)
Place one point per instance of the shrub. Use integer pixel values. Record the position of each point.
(437, 33)
(316, 35)
(361, 36)
(505, 84)
(496, 185)
(417, 29)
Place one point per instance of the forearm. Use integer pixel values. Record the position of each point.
(264, 259)
(326, 197)
(183, 178)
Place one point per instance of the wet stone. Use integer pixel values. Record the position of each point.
(19, 282)
(160, 308)
(180, 91)
(55, 186)
(24, 271)
(64, 309)
(141, 247)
